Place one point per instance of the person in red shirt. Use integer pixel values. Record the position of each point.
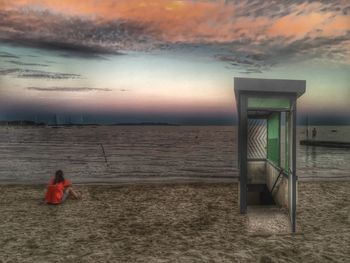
(59, 189)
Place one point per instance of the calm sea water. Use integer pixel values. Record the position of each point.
(134, 153)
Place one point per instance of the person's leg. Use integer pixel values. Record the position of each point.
(73, 193)
(65, 195)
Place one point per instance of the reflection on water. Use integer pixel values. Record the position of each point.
(32, 154)
(321, 162)
(324, 162)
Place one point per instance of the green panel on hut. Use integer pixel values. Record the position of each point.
(286, 139)
(273, 133)
(270, 103)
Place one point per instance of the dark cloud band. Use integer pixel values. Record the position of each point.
(7, 55)
(67, 89)
(19, 63)
(37, 74)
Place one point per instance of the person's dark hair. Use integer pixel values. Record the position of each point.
(59, 178)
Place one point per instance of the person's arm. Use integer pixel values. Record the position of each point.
(67, 183)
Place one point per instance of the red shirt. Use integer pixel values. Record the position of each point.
(54, 192)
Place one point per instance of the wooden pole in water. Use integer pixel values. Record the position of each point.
(104, 154)
(307, 127)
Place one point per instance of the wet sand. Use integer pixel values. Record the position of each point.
(168, 223)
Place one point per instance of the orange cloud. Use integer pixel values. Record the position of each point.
(321, 24)
(337, 25)
(197, 21)
(177, 20)
(293, 25)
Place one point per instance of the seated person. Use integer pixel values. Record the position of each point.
(59, 189)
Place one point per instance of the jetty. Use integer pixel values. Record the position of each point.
(336, 144)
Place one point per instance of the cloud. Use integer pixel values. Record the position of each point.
(277, 50)
(26, 64)
(67, 89)
(264, 54)
(65, 49)
(254, 35)
(72, 36)
(250, 62)
(7, 55)
(251, 71)
(30, 73)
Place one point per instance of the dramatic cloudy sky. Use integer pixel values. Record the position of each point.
(168, 61)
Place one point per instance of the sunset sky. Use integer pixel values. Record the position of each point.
(168, 61)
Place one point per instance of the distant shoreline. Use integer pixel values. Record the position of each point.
(33, 124)
(24, 123)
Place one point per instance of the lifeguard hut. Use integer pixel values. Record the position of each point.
(267, 110)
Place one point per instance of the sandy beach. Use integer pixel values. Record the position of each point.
(168, 223)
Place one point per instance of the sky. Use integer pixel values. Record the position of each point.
(130, 61)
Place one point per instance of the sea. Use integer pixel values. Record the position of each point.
(134, 154)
